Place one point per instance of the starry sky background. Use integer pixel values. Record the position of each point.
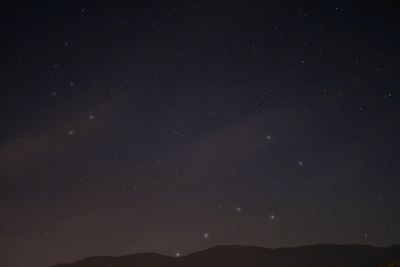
(169, 126)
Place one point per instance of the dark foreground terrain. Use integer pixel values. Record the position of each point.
(243, 256)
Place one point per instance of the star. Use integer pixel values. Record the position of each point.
(272, 217)
(71, 132)
(300, 163)
(206, 235)
(238, 209)
(177, 254)
(91, 117)
(268, 138)
(388, 95)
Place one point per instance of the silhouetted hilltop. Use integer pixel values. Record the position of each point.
(245, 256)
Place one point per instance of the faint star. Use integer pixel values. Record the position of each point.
(206, 235)
(272, 217)
(71, 132)
(300, 163)
(177, 254)
(238, 209)
(268, 137)
(91, 117)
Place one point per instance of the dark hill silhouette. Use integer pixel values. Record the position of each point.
(245, 256)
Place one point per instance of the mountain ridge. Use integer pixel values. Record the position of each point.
(333, 255)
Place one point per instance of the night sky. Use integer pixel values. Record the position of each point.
(174, 126)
